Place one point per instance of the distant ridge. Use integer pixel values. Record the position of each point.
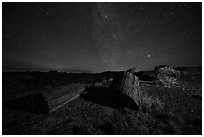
(78, 71)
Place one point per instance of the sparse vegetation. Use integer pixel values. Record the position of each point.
(104, 111)
(152, 105)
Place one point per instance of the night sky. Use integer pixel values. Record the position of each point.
(95, 37)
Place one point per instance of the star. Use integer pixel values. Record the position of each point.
(148, 56)
(47, 13)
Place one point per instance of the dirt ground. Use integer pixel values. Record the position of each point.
(164, 110)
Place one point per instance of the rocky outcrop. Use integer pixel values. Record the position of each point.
(166, 74)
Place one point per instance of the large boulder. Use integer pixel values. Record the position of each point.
(166, 74)
(127, 83)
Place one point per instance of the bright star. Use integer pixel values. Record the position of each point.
(148, 55)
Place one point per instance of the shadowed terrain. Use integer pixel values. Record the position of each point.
(109, 97)
(33, 103)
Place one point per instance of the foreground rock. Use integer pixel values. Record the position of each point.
(167, 75)
(47, 101)
(127, 83)
(64, 94)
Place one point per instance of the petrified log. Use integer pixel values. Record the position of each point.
(47, 101)
(64, 94)
(127, 83)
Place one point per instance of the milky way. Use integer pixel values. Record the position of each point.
(106, 33)
(100, 36)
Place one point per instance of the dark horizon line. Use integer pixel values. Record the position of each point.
(82, 71)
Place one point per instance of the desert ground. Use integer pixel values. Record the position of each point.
(38, 103)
